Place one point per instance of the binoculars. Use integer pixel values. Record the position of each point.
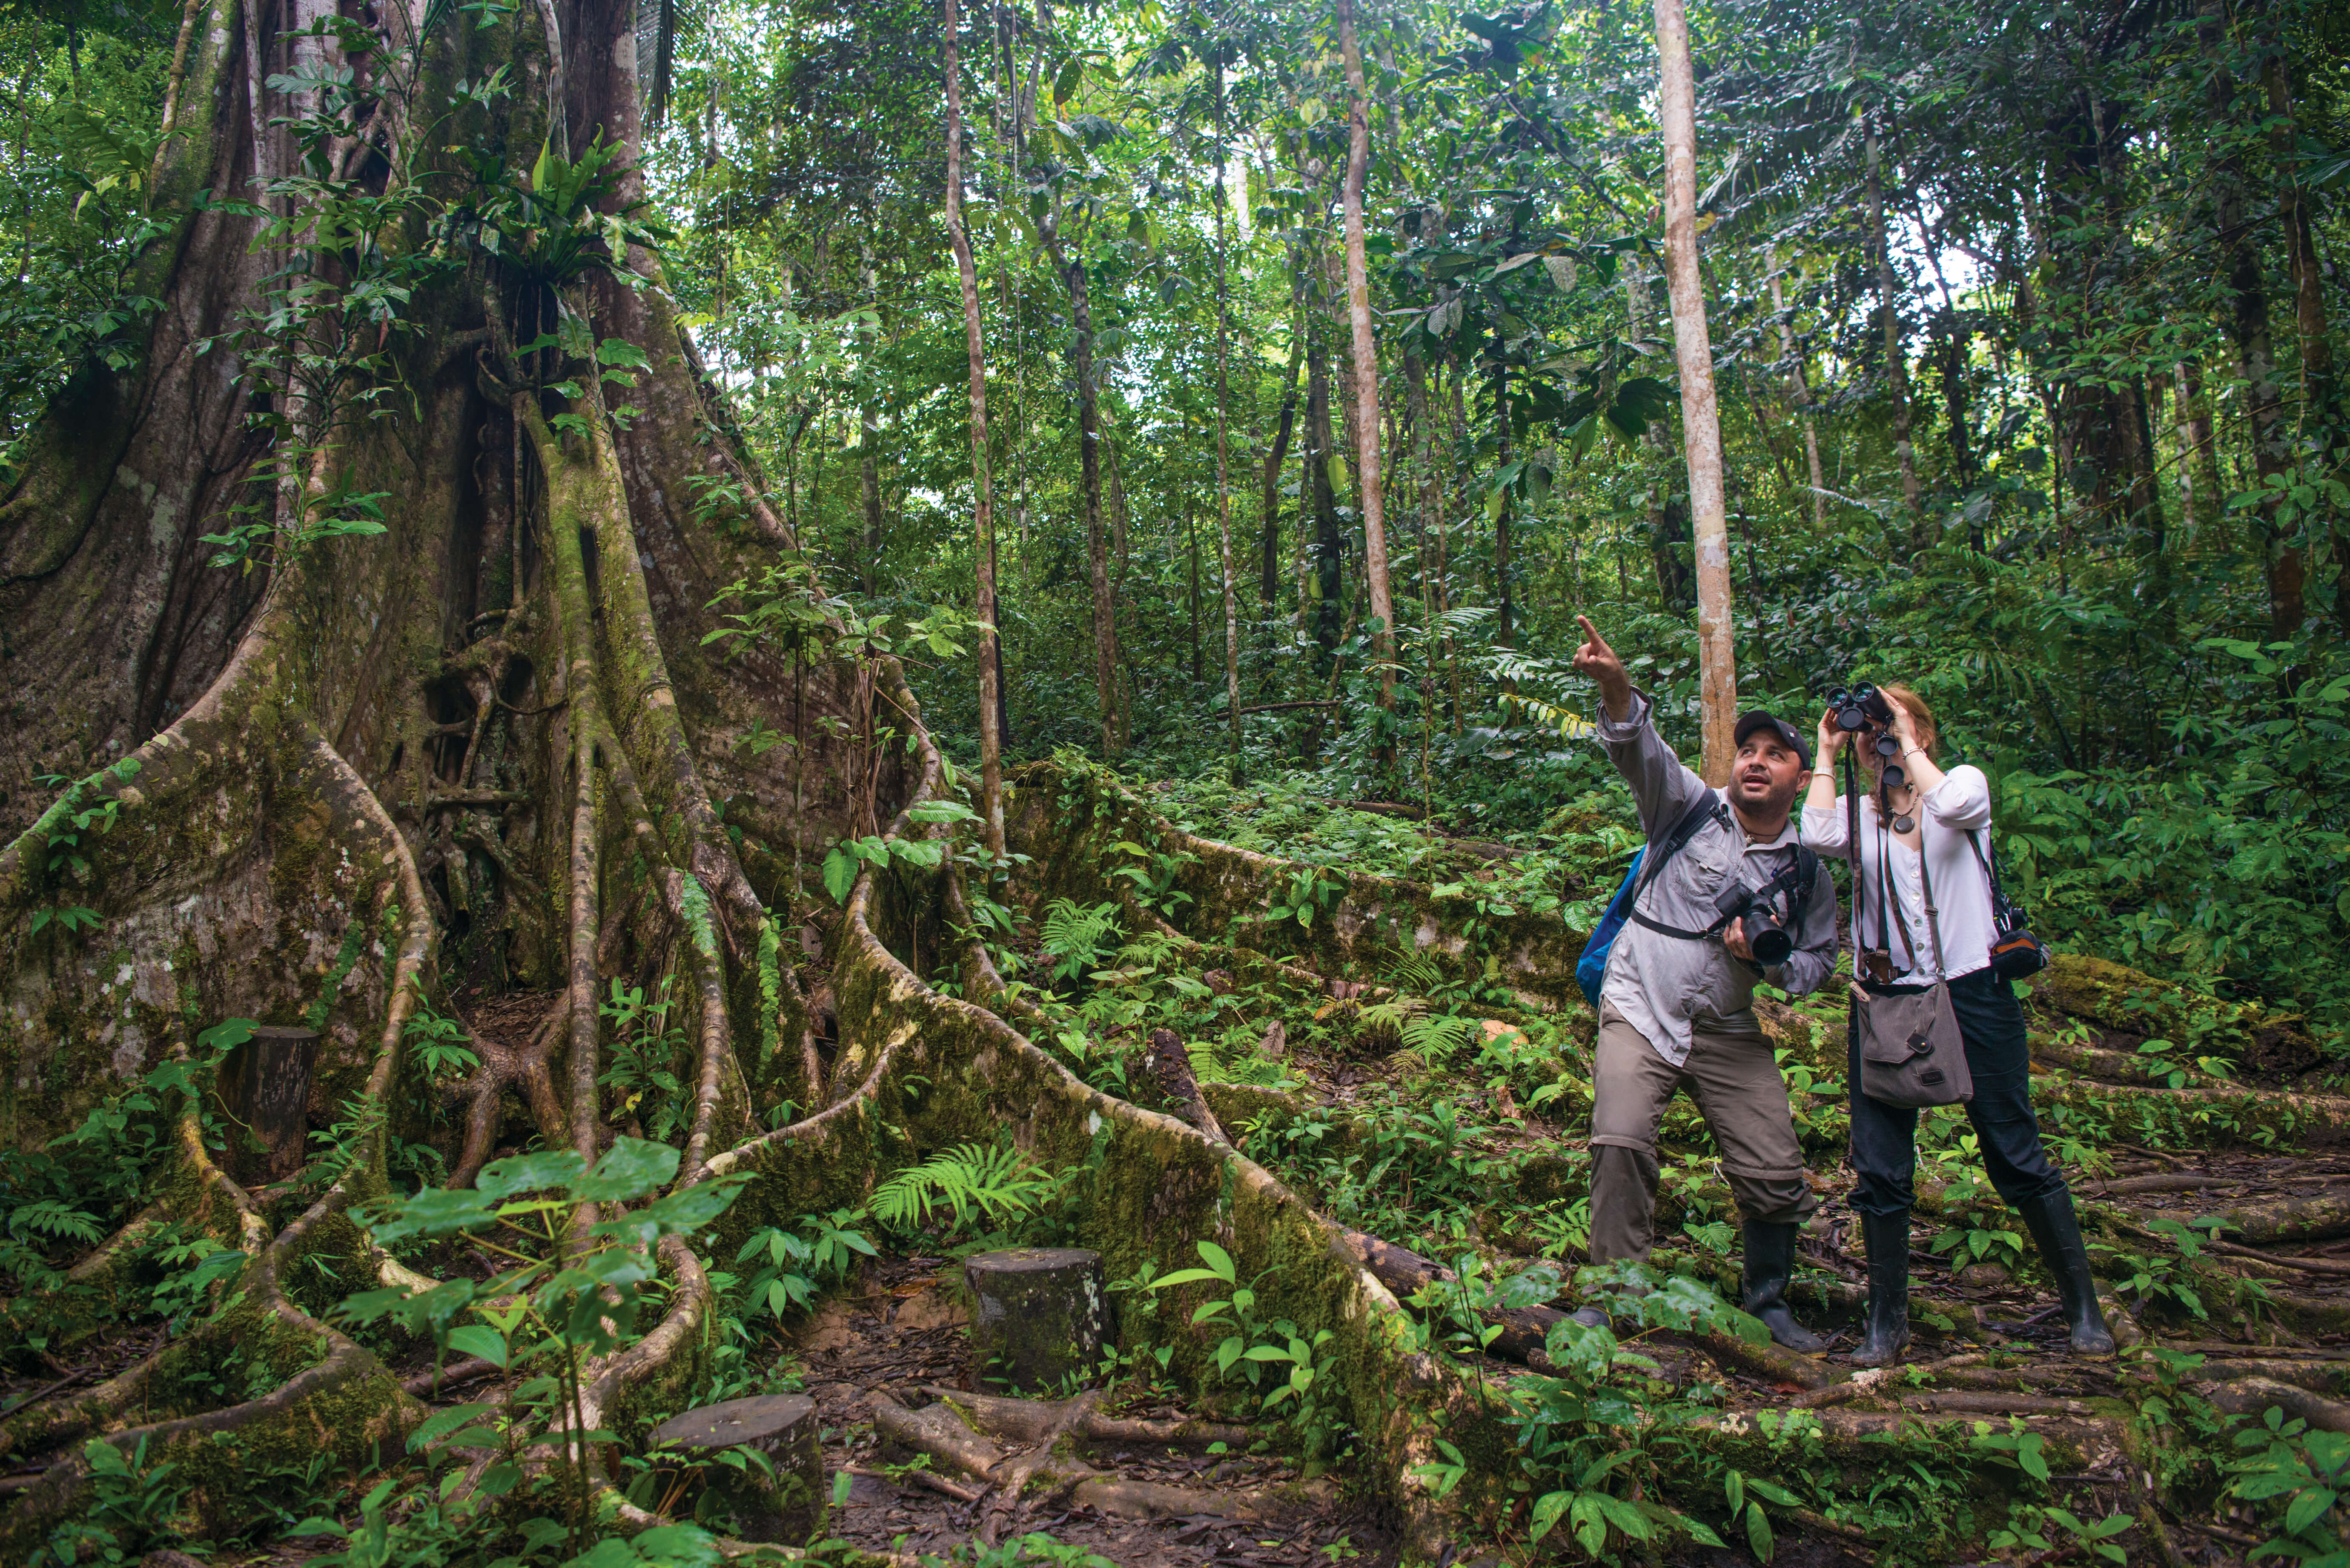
(1865, 708)
(1771, 944)
(1859, 708)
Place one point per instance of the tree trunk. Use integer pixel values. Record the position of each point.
(1321, 579)
(1269, 512)
(2323, 415)
(1504, 632)
(990, 740)
(1370, 487)
(1223, 469)
(2202, 498)
(1897, 364)
(1701, 423)
(2246, 286)
(1089, 478)
(1801, 387)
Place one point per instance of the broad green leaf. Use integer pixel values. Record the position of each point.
(631, 1169)
(501, 1178)
(477, 1339)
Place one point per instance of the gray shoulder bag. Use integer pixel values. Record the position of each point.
(1911, 1052)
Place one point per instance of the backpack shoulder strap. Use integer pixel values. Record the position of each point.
(1706, 809)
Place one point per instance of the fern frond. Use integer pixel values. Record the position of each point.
(997, 1183)
(49, 1217)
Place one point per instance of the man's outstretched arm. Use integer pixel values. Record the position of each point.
(1662, 788)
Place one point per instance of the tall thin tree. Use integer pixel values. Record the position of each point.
(1223, 398)
(1897, 365)
(1370, 492)
(991, 739)
(1701, 420)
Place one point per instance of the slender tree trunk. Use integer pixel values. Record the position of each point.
(2202, 510)
(2285, 564)
(2322, 417)
(1371, 489)
(1089, 473)
(1802, 386)
(1897, 365)
(1504, 632)
(1223, 469)
(1321, 561)
(1700, 422)
(990, 740)
(1269, 512)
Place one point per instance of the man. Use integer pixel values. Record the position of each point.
(1677, 1005)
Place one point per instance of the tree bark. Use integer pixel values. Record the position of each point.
(1321, 580)
(991, 739)
(2284, 563)
(1223, 461)
(1089, 476)
(1269, 510)
(1370, 486)
(1897, 364)
(1700, 422)
(1801, 387)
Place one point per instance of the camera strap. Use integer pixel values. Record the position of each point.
(2002, 912)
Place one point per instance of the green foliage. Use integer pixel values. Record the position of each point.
(971, 1181)
(791, 1266)
(1282, 1367)
(1074, 936)
(131, 1506)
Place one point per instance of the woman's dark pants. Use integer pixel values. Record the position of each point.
(1885, 1137)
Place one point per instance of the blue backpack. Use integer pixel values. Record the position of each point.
(1591, 968)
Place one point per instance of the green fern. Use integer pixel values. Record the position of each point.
(1406, 1021)
(1076, 935)
(50, 1217)
(999, 1184)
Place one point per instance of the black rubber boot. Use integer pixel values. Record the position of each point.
(1769, 1265)
(2058, 1231)
(1887, 1238)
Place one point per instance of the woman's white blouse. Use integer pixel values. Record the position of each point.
(1960, 803)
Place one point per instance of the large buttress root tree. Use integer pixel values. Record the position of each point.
(416, 631)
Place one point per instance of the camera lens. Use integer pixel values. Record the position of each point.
(1771, 944)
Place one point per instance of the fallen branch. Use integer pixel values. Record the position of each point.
(1169, 1062)
(1028, 1421)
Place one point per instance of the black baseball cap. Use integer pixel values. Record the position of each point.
(1754, 718)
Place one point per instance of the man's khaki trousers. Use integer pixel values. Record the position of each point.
(1738, 1091)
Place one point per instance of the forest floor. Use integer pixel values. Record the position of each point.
(1437, 1117)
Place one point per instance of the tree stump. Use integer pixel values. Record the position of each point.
(788, 1505)
(265, 1087)
(1040, 1319)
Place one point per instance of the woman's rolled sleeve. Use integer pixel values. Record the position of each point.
(1961, 801)
(1824, 828)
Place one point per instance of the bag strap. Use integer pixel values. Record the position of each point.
(1696, 816)
(1926, 882)
(2001, 908)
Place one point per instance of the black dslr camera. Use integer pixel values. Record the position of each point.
(1771, 944)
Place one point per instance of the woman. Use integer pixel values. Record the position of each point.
(1917, 816)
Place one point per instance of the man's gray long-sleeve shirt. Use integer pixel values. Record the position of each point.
(1668, 986)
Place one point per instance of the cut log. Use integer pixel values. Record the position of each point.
(265, 1090)
(784, 1499)
(1041, 1316)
